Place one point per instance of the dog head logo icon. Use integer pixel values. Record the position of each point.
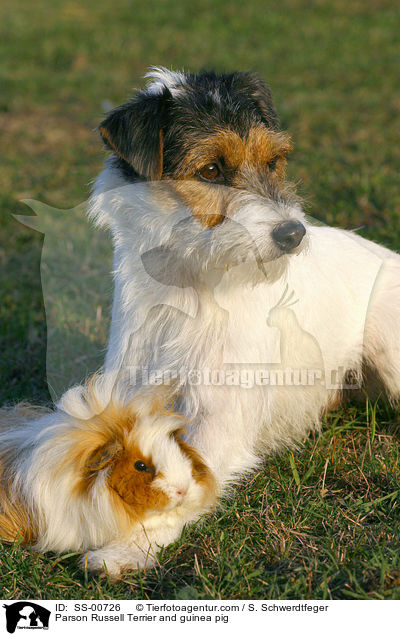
(26, 615)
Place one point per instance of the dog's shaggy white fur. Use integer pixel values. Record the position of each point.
(333, 303)
(207, 288)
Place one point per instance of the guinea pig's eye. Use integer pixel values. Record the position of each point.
(272, 163)
(209, 172)
(140, 466)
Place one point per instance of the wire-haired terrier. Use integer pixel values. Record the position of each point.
(219, 276)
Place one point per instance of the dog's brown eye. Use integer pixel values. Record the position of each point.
(140, 466)
(210, 171)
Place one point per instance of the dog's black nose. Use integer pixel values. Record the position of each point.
(288, 235)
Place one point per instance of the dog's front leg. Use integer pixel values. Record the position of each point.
(227, 431)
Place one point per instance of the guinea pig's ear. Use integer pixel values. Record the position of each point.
(259, 92)
(135, 132)
(104, 456)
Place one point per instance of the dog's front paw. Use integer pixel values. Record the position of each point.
(114, 561)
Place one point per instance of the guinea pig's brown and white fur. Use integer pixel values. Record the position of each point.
(105, 472)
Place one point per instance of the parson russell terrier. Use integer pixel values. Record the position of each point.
(258, 315)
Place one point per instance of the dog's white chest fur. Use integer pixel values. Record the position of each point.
(265, 348)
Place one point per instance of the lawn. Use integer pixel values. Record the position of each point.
(323, 521)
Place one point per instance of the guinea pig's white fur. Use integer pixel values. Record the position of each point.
(68, 480)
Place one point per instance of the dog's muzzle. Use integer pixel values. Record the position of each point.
(288, 235)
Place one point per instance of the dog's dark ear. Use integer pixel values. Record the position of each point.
(135, 132)
(259, 92)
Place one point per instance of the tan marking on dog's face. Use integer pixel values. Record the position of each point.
(263, 151)
(266, 151)
(261, 147)
(207, 203)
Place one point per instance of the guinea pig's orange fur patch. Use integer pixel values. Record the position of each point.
(134, 487)
(200, 471)
(105, 442)
(16, 522)
(260, 149)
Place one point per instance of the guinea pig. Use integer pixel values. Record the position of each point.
(108, 473)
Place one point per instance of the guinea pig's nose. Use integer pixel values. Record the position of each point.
(288, 235)
(181, 492)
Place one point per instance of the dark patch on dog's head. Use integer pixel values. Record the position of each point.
(212, 104)
(152, 132)
(135, 132)
(199, 131)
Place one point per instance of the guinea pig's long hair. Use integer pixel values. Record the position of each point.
(79, 476)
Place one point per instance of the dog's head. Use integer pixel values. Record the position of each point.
(216, 141)
(205, 127)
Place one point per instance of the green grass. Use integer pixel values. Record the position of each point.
(324, 521)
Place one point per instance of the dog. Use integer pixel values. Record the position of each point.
(266, 317)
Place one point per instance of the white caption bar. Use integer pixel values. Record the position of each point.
(127, 617)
